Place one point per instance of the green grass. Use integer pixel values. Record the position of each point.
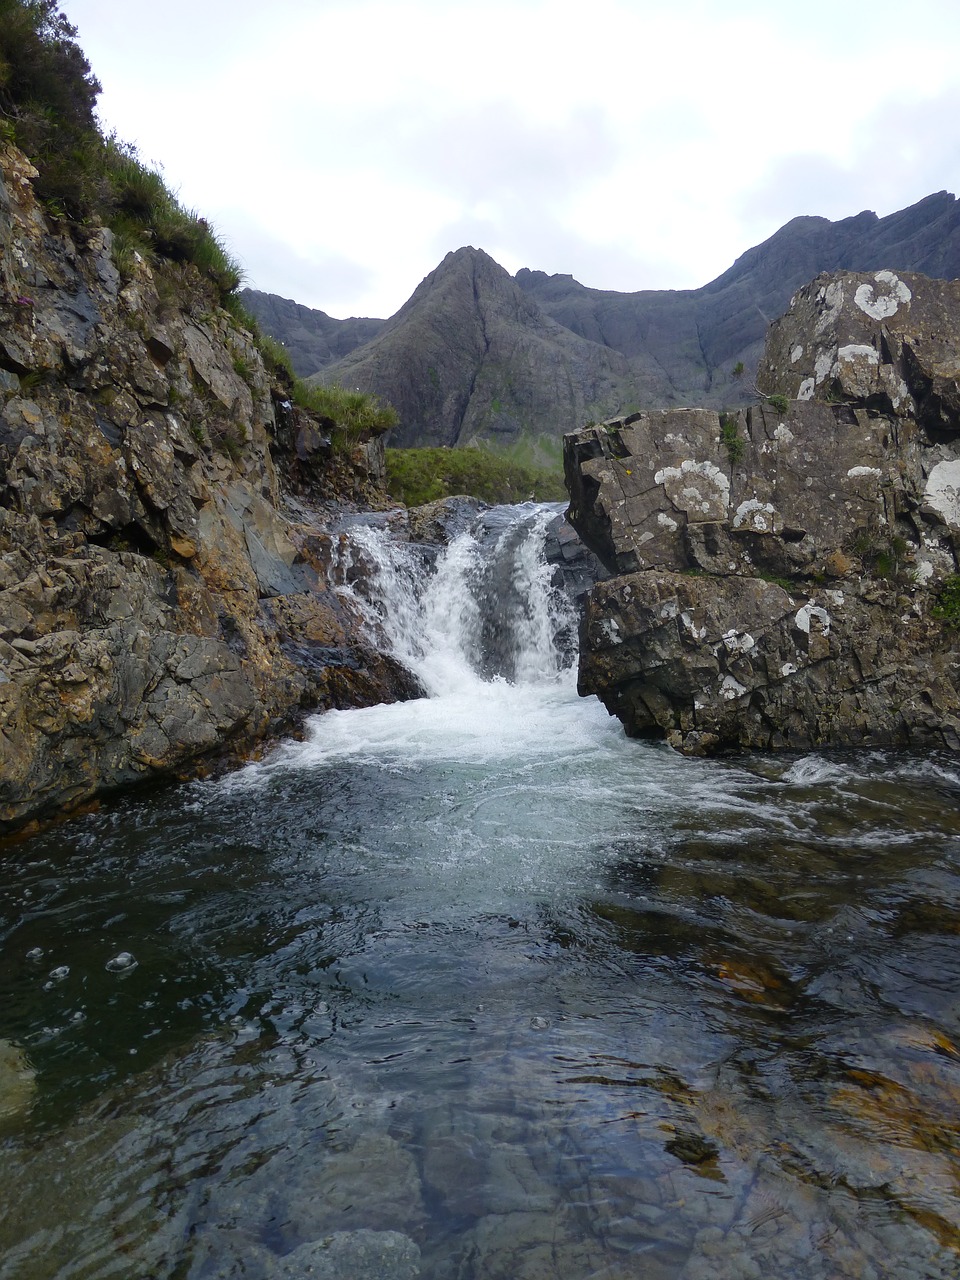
(731, 438)
(947, 607)
(416, 476)
(350, 416)
(48, 97)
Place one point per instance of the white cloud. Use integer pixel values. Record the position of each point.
(344, 147)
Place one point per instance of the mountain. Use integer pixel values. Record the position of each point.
(312, 338)
(476, 354)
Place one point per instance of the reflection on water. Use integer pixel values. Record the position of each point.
(474, 988)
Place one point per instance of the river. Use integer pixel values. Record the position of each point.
(475, 988)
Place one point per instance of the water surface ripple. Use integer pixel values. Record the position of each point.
(482, 972)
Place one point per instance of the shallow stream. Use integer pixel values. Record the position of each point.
(477, 986)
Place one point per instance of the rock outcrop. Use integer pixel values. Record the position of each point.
(783, 572)
(159, 601)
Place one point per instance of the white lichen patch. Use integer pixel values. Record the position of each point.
(835, 598)
(810, 612)
(738, 642)
(923, 572)
(730, 689)
(667, 522)
(611, 630)
(886, 299)
(855, 473)
(782, 434)
(756, 516)
(698, 633)
(796, 354)
(807, 388)
(824, 365)
(669, 609)
(698, 488)
(788, 669)
(855, 351)
(942, 491)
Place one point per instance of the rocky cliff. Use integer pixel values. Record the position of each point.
(785, 575)
(476, 354)
(160, 600)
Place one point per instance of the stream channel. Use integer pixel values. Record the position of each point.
(475, 988)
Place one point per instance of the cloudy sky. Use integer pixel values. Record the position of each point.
(342, 147)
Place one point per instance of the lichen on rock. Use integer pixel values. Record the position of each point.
(782, 593)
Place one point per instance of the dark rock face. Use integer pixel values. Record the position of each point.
(312, 338)
(476, 355)
(158, 599)
(778, 572)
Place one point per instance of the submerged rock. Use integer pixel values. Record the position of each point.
(17, 1082)
(779, 571)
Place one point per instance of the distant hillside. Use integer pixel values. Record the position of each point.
(312, 338)
(476, 354)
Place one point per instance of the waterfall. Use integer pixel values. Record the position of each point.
(485, 608)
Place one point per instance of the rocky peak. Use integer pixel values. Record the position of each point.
(471, 356)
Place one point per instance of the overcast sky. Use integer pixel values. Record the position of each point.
(342, 147)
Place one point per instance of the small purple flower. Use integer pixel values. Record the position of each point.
(24, 301)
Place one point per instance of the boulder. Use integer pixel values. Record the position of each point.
(780, 571)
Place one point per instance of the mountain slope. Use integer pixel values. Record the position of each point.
(312, 338)
(471, 356)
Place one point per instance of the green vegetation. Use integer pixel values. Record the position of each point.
(883, 555)
(350, 416)
(947, 607)
(779, 403)
(48, 97)
(416, 476)
(738, 370)
(730, 437)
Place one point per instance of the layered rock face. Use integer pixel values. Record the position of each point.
(157, 599)
(777, 574)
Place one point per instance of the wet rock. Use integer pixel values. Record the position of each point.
(158, 600)
(778, 570)
(438, 523)
(373, 1183)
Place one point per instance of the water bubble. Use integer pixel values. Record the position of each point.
(36, 953)
(121, 963)
(61, 972)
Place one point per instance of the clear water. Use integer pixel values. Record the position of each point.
(479, 970)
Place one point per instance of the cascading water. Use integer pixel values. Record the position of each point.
(485, 607)
(473, 988)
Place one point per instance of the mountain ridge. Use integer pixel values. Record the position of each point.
(476, 354)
